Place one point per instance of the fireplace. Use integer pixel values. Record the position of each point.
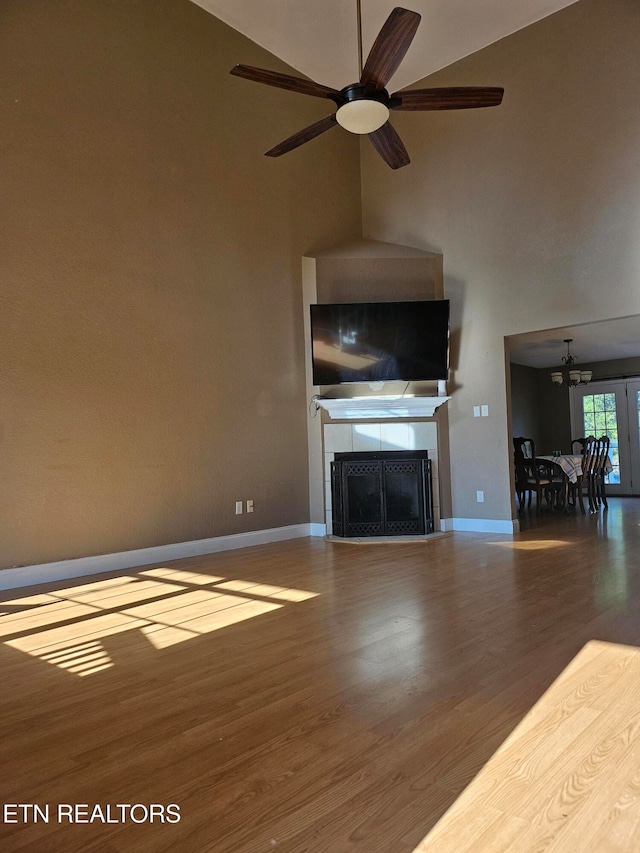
(382, 493)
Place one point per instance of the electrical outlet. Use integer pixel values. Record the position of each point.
(480, 497)
(485, 411)
(249, 506)
(476, 411)
(238, 507)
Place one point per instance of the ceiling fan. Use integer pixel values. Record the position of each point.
(363, 107)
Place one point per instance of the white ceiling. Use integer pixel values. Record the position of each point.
(604, 341)
(319, 37)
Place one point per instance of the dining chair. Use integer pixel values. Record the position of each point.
(590, 457)
(556, 492)
(532, 476)
(600, 494)
(578, 444)
(577, 449)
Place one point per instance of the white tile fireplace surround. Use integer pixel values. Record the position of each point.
(384, 435)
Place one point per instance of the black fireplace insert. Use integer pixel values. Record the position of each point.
(382, 493)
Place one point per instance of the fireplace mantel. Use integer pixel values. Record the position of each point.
(363, 408)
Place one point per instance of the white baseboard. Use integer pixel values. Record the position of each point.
(317, 530)
(480, 525)
(48, 572)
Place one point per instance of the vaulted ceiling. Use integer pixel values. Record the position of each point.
(319, 37)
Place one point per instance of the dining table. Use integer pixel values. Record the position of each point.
(571, 466)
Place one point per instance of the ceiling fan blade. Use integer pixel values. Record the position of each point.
(283, 81)
(389, 146)
(453, 98)
(303, 136)
(390, 47)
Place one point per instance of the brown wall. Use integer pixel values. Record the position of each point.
(525, 411)
(616, 368)
(151, 352)
(540, 409)
(555, 415)
(534, 206)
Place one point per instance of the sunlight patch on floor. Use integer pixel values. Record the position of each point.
(81, 659)
(94, 611)
(267, 590)
(47, 614)
(181, 577)
(535, 545)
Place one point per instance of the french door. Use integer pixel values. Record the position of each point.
(612, 408)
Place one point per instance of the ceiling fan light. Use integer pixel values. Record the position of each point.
(362, 116)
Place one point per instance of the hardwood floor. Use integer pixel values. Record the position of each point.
(566, 778)
(333, 697)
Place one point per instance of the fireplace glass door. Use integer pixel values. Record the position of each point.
(386, 493)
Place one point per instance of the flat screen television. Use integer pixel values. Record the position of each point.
(380, 341)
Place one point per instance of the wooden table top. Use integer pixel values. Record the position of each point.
(568, 777)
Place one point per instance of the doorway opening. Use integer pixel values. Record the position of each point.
(609, 404)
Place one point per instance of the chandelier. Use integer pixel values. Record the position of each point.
(572, 375)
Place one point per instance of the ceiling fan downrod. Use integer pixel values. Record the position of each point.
(359, 22)
(362, 109)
